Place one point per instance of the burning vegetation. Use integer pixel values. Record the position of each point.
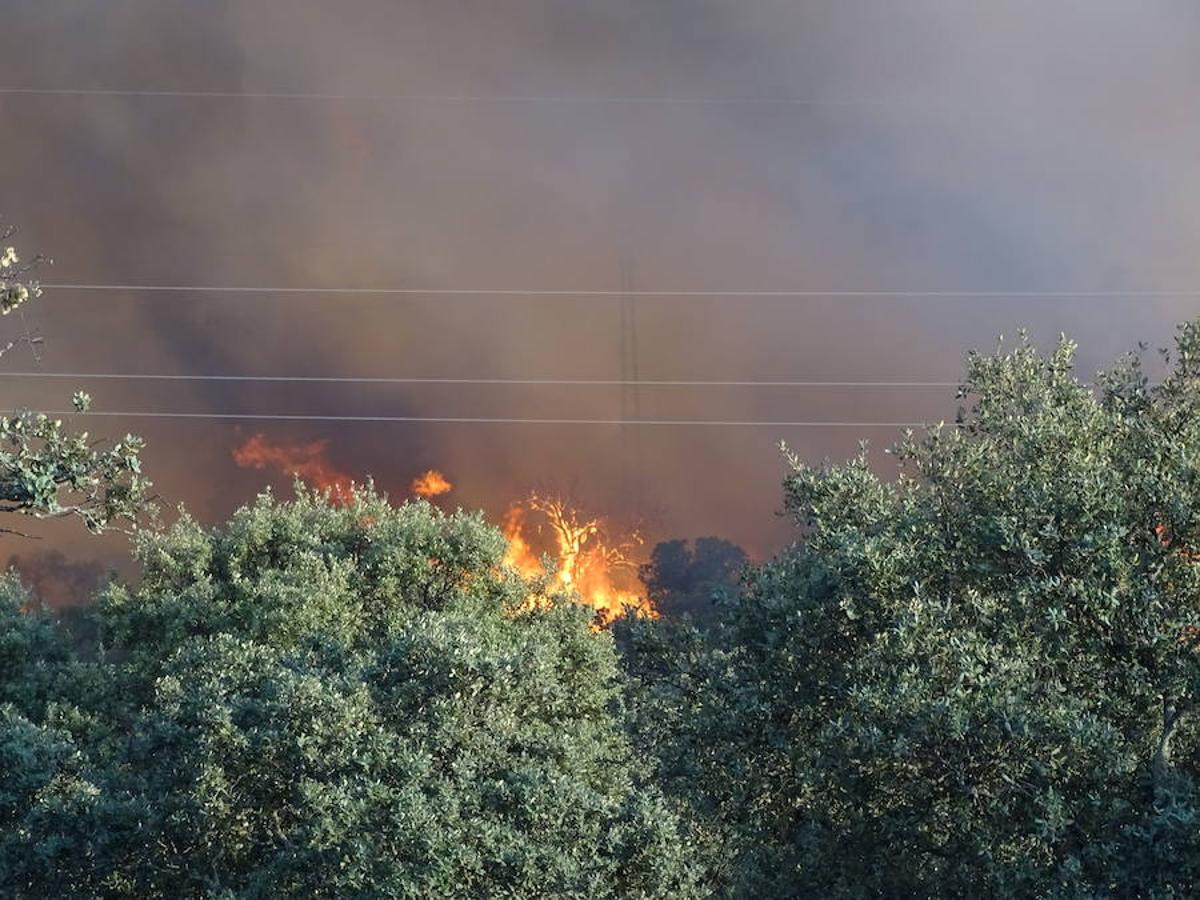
(583, 556)
(307, 462)
(431, 484)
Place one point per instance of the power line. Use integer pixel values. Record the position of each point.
(570, 292)
(499, 99)
(549, 382)
(485, 420)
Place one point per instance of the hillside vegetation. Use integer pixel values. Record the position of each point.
(979, 678)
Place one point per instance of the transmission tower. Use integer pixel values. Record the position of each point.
(630, 390)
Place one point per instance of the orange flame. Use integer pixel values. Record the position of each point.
(586, 563)
(519, 555)
(431, 484)
(304, 461)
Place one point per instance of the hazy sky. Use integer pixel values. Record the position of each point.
(693, 145)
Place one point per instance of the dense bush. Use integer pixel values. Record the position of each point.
(318, 701)
(979, 679)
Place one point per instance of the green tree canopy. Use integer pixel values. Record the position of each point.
(47, 470)
(977, 679)
(326, 701)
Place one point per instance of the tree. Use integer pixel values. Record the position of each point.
(47, 471)
(329, 701)
(689, 579)
(977, 679)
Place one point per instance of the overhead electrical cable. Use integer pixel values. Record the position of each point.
(578, 292)
(548, 382)
(499, 99)
(483, 420)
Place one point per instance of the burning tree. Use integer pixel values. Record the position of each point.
(587, 561)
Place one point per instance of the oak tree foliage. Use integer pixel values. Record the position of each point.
(326, 701)
(981, 678)
(48, 470)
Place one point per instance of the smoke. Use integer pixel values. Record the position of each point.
(1010, 147)
(54, 580)
(307, 462)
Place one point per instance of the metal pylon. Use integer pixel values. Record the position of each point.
(630, 390)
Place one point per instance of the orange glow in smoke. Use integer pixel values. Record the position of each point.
(431, 484)
(304, 461)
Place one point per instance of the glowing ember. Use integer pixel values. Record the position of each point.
(587, 562)
(304, 461)
(431, 484)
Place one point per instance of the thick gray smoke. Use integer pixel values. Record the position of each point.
(933, 146)
(55, 581)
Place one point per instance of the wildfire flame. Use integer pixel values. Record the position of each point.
(431, 484)
(304, 461)
(587, 561)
